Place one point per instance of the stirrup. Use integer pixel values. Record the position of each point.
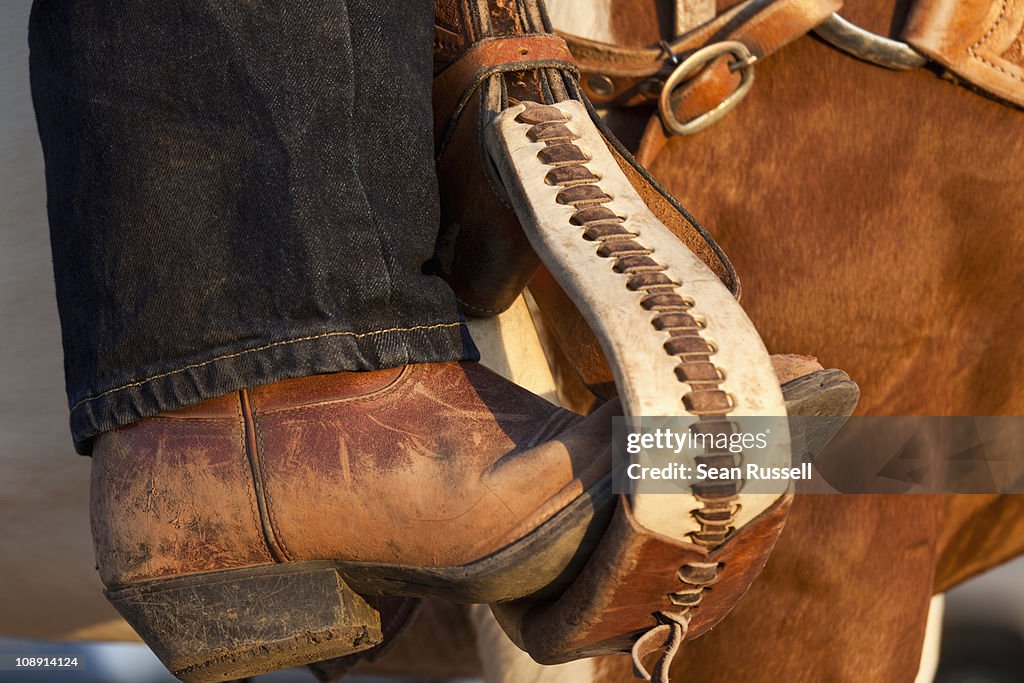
(658, 294)
(678, 344)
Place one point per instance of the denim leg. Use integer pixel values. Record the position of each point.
(239, 193)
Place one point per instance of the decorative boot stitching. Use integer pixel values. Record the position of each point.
(253, 450)
(673, 314)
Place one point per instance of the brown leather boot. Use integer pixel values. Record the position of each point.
(239, 535)
(612, 605)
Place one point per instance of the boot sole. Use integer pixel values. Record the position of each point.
(235, 623)
(818, 405)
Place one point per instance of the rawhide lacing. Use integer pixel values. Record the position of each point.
(673, 313)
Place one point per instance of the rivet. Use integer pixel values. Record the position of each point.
(600, 84)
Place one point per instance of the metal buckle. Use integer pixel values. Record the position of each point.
(744, 62)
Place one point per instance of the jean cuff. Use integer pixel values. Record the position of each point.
(313, 354)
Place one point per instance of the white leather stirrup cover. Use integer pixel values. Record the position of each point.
(645, 373)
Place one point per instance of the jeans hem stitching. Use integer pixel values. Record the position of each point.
(355, 335)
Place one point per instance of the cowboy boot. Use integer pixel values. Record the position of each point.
(809, 391)
(240, 535)
(644, 592)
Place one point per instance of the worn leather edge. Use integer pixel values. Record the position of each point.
(971, 39)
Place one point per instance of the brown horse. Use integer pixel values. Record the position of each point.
(874, 219)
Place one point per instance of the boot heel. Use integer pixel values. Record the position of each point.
(233, 624)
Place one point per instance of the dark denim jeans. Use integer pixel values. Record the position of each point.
(239, 192)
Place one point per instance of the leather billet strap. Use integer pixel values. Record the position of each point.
(623, 76)
(979, 41)
(507, 54)
(627, 76)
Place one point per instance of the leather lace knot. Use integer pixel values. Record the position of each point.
(667, 636)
